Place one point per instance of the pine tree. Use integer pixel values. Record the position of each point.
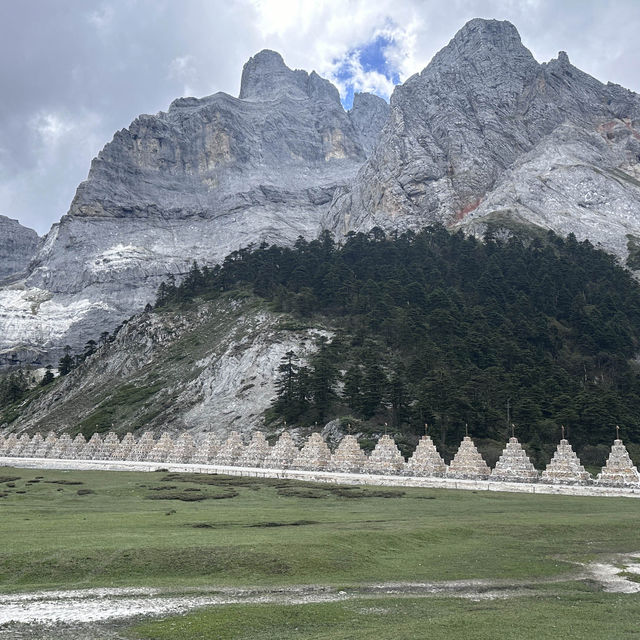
(48, 377)
(65, 365)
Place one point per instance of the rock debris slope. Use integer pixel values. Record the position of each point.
(212, 368)
(206, 178)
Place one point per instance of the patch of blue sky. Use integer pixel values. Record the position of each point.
(363, 63)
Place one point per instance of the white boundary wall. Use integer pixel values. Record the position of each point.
(325, 476)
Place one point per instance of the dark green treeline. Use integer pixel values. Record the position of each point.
(441, 328)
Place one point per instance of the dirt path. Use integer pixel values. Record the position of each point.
(89, 606)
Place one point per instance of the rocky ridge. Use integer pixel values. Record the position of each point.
(18, 245)
(485, 134)
(197, 182)
(484, 137)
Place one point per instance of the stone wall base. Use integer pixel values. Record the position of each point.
(325, 476)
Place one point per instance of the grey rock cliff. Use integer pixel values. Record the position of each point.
(368, 114)
(483, 136)
(474, 130)
(198, 182)
(18, 245)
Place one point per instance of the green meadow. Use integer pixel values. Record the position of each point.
(113, 529)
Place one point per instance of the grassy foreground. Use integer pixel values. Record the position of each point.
(159, 529)
(83, 529)
(575, 616)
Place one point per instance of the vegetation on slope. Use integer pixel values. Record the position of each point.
(443, 329)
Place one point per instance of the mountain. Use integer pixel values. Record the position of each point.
(205, 178)
(484, 138)
(485, 134)
(18, 246)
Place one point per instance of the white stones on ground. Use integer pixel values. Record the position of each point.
(283, 453)
(314, 455)
(30, 450)
(183, 450)
(348, 457)
(124, 449)
(161, 449)
(468, 464)
(143, 447)
(231, 451)
(207, 450)
(256, 451)
(514, 465)
(426, 461)
(385, 458)
(565, 467)
(619, 470)
(49, 442)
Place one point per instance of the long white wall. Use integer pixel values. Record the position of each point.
(326, 476)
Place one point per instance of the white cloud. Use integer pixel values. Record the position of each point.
(183, 69)
(50, 127)
(102, 17)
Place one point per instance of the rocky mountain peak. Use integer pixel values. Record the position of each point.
(265, 76)
(205, 178)
(483, 47)
(488, 32)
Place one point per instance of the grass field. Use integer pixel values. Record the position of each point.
(84, 529)
(574, 616)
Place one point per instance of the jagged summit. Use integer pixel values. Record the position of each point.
(499, 37)
(265, 76)
(483, 47)
(484, 132)
(205, 178)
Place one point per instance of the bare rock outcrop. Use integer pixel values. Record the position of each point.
(485, 135)
(18, 245)
(204, 179)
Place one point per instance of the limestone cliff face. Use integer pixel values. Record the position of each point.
(18, 245)
(484, 127)
(369, 115)
(483, 136)
(204, 179)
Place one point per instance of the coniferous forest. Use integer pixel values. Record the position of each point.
(444, 329)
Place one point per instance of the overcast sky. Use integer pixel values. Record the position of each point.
(72, 72)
